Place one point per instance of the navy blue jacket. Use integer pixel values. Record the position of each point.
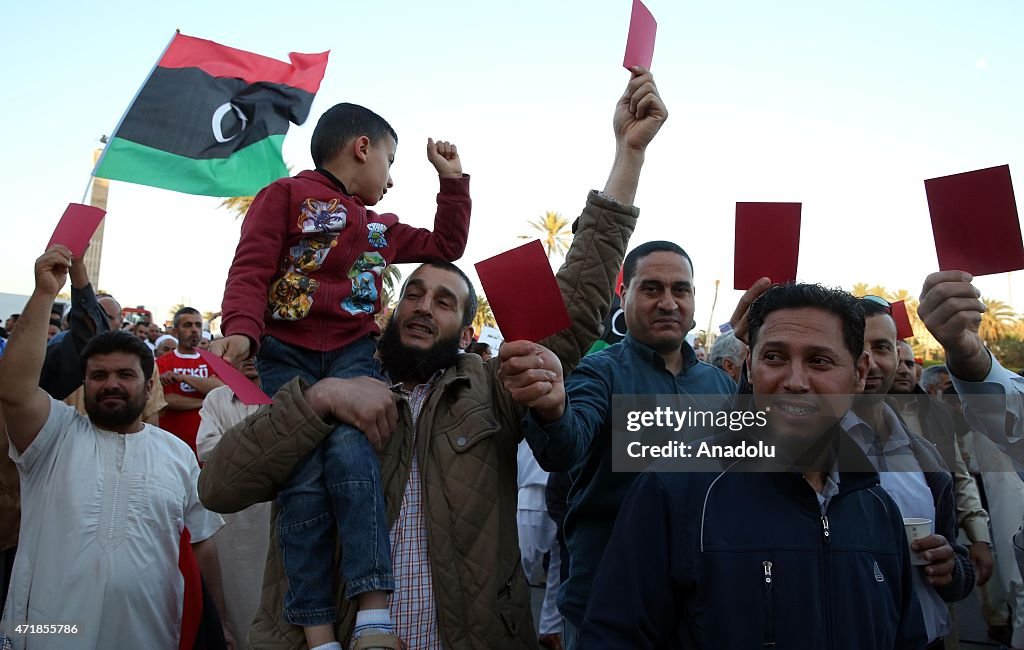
(581, 443)
(746, 560)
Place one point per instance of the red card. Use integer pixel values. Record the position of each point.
(974, 221)
(523, 293)
(244, 389)
(899, 314)
(767, 243)
(76, 227)
(640, 42)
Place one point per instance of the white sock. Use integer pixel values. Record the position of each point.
(373, 619)
(333, 645)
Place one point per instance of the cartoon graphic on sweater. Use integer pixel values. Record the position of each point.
(376, 237)
(364, 294)
(368, 262)
(322, 216)
(309, 254)
(291, 296)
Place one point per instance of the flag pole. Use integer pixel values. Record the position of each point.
(130, 104)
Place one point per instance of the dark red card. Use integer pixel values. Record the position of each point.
(76, 227)
(975, 223)
(523, 293)
(640, 41)
(899, 314)
(243, 387)
(767, 243)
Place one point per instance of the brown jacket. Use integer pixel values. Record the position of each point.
(466, 440)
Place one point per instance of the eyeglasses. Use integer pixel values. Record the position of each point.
(878, 300)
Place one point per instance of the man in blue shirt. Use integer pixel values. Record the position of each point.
(570, 429)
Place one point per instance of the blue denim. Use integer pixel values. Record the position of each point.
(337, 484)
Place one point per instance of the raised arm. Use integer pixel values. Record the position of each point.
(587, 277)
(992, 396)
(25, 405)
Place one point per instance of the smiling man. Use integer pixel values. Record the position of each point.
(106, 499)
(912, 471)
(810, 555)
(575, 434)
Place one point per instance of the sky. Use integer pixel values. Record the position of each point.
(846, 108)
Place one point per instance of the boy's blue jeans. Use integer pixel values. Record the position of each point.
(338, 483)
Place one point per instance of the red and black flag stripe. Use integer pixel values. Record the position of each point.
(211, 119)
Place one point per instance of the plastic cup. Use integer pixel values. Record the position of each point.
(917, 528)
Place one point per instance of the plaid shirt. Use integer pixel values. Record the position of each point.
(412, 603)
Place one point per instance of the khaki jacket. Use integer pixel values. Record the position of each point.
(465, 440)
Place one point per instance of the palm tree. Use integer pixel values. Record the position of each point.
(484, 315)
(877, 290)
(237, 204)
(390, 278)
(859, 289)
(555, 233)
(997, 321)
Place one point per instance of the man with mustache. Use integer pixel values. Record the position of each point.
(575, 435)
(186, 378)
(806, 553)
(912, 471)
(107, 500)
(446, 429)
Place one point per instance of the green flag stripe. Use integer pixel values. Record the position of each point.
(245, 173)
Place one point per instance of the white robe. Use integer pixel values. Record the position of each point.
(101, 520)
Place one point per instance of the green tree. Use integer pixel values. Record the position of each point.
(484, 316)
(555, 232)
(237, 204)
(997, 322)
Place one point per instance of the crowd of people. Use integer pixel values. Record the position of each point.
(406, 487)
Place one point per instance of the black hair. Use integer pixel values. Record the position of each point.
(477, 347)
(340, 124)
(872, 308)
(56, 321)
(796, 295)
(185, 310)
(469, 311)
(645, 249)
(119, 341)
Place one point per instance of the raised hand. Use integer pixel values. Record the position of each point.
(444, 156)
(640, 112)
(951, 309)
(52, 269)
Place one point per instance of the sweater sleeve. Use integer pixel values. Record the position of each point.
(256, 258)
(447, 241)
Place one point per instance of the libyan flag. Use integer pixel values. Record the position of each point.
(211, 119)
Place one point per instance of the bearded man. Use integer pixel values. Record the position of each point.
(109, 504)
(449, 467)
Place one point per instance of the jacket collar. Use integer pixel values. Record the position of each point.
(649, 354)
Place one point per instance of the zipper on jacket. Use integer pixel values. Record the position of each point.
(826, 561)
(769, 637)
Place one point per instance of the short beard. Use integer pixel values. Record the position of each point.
(404, 363)
(117, 418)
